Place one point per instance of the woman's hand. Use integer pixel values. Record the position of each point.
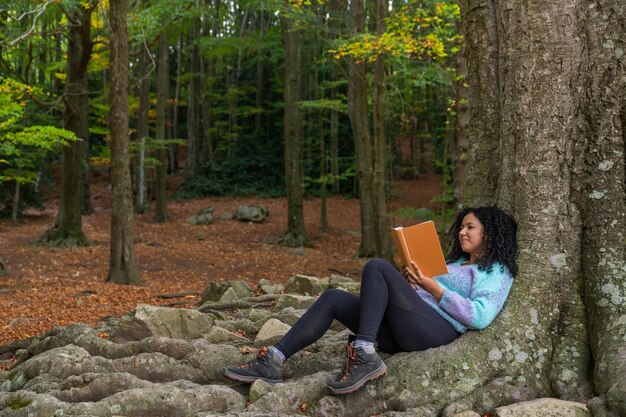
(416, 277)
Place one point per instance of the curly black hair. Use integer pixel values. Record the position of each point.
(500, 238)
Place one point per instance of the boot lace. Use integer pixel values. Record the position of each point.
(261, 357)
(353, 360)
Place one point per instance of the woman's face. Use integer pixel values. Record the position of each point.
(472, 235)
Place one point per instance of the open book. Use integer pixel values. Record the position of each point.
(420, 243)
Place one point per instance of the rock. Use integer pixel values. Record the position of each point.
(289, 315)
(267, 287)
(227, 215)
(229, 296)
(257, 315)
(237, 325)
(204, 216)
(251, 213)
(468, 413)
(299, 251)
(258, 389)
(271, 332)
(305, 285)
(543, 407)
(289, 396)
(151, 320)
(221, 335)
(215, 290)
(344, 283)
(294, 301)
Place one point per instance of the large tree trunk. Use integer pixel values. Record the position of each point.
(460, 144)
(122, 267)
(547, 143)
(161, 153)
(68, 229)
(296, 234)
(601, 141)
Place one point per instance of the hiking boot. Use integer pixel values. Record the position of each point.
(360, 368)
(264, 367)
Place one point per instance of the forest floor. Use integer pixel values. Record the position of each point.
(48, 287)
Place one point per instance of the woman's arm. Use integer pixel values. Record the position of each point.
(416, 276)
(484, 302)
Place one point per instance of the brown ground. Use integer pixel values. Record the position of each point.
(50, 287)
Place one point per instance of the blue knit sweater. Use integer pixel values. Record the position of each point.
(472, 298)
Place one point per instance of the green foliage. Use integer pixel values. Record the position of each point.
(325, 104)
(251, 170)
(23, 149)
(421, 213)
(419, 30)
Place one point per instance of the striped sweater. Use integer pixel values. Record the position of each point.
(472, 298)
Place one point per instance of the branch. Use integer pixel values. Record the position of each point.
(38, 12)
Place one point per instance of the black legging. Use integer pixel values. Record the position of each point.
(388, 311)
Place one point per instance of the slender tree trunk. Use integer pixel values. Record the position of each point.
(296, 234)
(380, 147)
(122, 267)
(173, 148)
(68, 229)
(16, 203)
(194, 123)
(142, 129)
(260, 75)
(334, 145)
(162, 97)
(358, 110)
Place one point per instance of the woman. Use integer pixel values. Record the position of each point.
(409, 311)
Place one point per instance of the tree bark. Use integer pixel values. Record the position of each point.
(371, 148)
(600, 129)
(122, 267)
(359, 113)
(194, 125)
(68, 228)
(142, 129)
(547, 144)
(296, 234)
(173, 148)
(161, 152)
(380, 146)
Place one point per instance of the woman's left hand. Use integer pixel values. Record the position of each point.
(417, 277)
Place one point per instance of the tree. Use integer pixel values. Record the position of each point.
(122, 267)
(162, 97)
(23, 148)
(68, 228)
(292, 36)
(532, 137)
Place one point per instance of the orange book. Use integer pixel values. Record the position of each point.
(420, 243)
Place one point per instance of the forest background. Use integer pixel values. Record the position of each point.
(208, 113)
(318, 99)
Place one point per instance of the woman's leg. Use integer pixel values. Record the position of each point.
(332, 304)
(393, 314)
(388, 311)
(268, 364)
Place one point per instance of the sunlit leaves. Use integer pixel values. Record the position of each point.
(22, 146)
(416, 31)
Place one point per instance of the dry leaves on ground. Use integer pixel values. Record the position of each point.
(50, 287)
